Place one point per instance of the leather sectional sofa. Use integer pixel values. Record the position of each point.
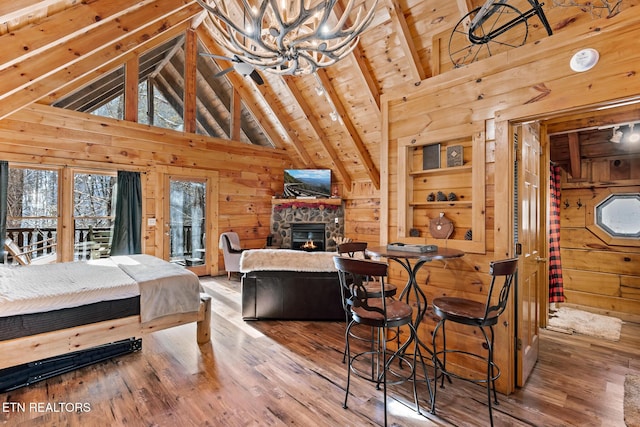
(290, 285)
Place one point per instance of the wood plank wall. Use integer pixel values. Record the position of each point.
(246, 176)
(534, 81)
(598, 276)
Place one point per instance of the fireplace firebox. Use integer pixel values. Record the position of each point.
(308, 237)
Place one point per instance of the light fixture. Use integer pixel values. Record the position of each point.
(289, 36)
(617, 135)
(634, 135)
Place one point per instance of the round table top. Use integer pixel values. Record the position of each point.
(441, 253)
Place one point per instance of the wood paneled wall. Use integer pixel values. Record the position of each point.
(244, 176)
(532, 82)
(598, 276)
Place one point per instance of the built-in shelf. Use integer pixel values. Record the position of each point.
(425, 175)
(459, 203)
(441, 171)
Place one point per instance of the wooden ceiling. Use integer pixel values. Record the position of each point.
(72, 53)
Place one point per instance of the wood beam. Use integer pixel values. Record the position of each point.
(80, 82)
(84, 17)
(236, 115)
(322, 136)
(190, 84)
(361, 149)
(254, 106)
(575, 165)
(35, 77)
(131, 89)
(406, 40)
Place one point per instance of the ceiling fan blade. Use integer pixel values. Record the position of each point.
(213, 55)
(256, 77)
(223, 72)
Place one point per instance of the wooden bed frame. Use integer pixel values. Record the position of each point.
(41, 346)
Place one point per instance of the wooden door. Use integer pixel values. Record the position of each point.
(531, 243)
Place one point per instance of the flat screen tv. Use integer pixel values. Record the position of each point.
(307, 183)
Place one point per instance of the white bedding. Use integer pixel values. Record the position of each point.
(164, 288)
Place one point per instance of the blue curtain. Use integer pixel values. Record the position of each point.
(127, 226)
(4, 187)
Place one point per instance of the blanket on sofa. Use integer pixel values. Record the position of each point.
(286, 260)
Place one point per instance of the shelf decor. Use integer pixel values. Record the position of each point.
(431, 156)
(455, 155)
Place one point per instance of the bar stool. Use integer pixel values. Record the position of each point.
(473, 313)
(381, 314)
(358, 250)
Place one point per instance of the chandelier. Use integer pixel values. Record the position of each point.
(289, 36)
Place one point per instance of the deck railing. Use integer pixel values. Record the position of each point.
(28, 239)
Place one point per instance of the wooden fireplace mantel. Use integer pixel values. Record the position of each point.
(332, 201)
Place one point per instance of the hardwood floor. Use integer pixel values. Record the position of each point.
(272, 373)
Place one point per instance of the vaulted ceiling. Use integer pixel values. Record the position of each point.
(71, 54)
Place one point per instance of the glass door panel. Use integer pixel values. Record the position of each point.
(187, 223)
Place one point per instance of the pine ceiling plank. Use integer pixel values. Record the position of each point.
(406, 40)
(38, 76)
(363, 153)
(464, 6)
(313, 121)
(360, 60)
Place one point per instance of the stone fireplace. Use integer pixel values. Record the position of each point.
(304, 214)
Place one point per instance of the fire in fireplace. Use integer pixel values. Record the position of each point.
(307, 237)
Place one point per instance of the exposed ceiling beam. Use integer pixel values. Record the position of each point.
(575, 165)
(361, 149)
(53, 68)
(72, 86)
(177, 47)
(46, 34)
(406, 41)
(324, 139)
(190, 86)
(241, 85)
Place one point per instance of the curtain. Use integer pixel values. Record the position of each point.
(127, 226)
(4, 188)
(556, 288)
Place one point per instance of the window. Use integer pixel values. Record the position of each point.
(614, 216)
(93, 213)
(619, 215)
(32, 209)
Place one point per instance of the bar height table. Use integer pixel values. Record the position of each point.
(405, 259)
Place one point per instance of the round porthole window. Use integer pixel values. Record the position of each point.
(619, 215)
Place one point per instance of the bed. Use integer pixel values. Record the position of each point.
(57, 309)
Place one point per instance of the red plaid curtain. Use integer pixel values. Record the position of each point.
(556, 288)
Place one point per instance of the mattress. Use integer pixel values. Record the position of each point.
(40, 288)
